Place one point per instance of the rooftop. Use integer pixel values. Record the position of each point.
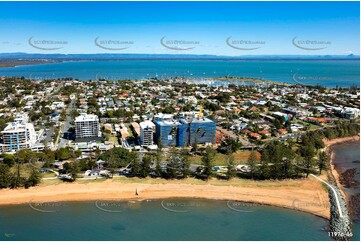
(86, 117)
(146, 124)
(17, 127)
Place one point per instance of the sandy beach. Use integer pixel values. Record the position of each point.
(331, 142)
(305, 195)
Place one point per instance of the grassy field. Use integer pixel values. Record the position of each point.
(98, 180)
(45, 183)
(25, 169)
(130, 131)
(240, 157)
(114, 139)
(312, 126)
(48, 175)
(193, 181)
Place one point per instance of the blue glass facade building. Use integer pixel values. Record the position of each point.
(185, 132)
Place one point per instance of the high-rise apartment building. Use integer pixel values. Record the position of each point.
(86, 126)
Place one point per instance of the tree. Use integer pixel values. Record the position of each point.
(18, 180)
(195, 144)
(319, 144)
(278, 157)
(174, 166)
(74, 113)
(323, 159)
(72, 169)
(308, 153)
(231, 171)
(286, 168)
(145, 166)
(229, 145)
(49, 155)
(25, 156)
(264, 170)
(135, 164)
(79, 152)
(8, 159)
(86, 164)
(64, 153)
(277, 124)
(118, 157)
(112, 168)
(252, 163)
(330, 133)
(34, 178)
(5, 176)
(186, 163)
(177, 164)
(207, 161)
(158, 160)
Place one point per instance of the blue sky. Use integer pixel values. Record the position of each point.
(253, 28)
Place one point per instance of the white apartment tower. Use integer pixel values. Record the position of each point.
(147, 129)
(18, 135)
(86, 126)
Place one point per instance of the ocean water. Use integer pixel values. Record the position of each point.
(347, 156)
(330, 73)
(178, 219)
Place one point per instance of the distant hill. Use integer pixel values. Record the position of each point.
(106, 56)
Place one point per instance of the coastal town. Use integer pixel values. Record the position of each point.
(89, 118)
(180, 120)
(66, 130)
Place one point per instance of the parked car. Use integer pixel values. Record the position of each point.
(44, 170)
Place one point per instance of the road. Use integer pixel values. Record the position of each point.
(49, 134)
(63, 141)
(49, 138)
(289, 137)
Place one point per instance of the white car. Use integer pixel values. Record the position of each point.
(243, 168)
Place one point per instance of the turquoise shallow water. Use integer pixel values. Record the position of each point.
(328, 73)
(158, 220)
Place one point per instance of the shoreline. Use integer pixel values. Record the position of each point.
(331, 142)
(333, 170)
(305, 195)
(30, 63)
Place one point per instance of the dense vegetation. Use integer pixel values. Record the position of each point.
(295, 160)
(10, 171)
(288, 160)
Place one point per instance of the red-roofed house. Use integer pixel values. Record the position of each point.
(255, 136)
(265, 133)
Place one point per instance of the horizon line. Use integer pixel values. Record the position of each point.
(181, 54)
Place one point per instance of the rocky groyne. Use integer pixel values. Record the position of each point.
(341, 225)
(340, 221)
